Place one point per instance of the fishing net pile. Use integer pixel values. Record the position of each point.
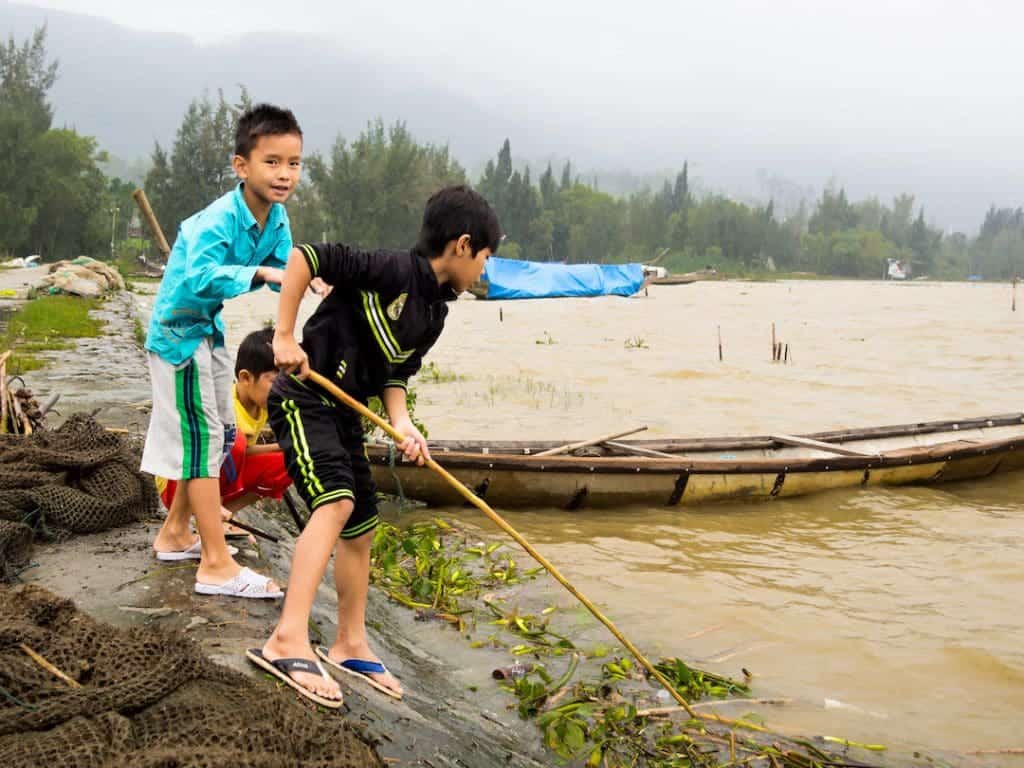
(82, 277)
(144, 697)
(77, 479)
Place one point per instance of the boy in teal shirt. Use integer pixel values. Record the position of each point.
(237, 244)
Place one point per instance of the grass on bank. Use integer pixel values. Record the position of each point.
(45, 324)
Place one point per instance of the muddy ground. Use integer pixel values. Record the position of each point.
(453, 713)
(440, 722)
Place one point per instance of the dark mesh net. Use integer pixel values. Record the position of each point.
(148, 697)
(79, 478)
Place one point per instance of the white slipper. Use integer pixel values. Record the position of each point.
(195, 552)
(247, 583)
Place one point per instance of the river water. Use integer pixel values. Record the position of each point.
(890, 616)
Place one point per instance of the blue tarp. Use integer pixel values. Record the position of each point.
(514, 279)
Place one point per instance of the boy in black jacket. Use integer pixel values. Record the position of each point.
(385, 310)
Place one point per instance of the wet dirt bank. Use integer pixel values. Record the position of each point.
(113, 577)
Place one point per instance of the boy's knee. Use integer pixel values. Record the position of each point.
(337, 512)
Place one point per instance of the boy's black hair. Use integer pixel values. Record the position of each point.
(256, 353)
(456, 211)
(263, 120)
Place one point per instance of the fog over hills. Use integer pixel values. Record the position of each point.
(764, 108)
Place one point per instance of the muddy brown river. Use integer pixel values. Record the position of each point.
(891, 616)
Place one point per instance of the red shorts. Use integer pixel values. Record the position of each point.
(263, 474)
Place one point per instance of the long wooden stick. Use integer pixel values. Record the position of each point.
(154, 226)
(568, 447)
(299, 522)
(480, 504)
(19, 416)
(253, 530)
(3, 391)
(42, 662)
(807, 442)
(640, 451)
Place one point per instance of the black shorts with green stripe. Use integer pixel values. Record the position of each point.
(324, 452)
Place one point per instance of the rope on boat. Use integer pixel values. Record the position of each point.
(402, 500)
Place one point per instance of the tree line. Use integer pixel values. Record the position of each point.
(370, 191)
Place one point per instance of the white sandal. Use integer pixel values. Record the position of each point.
(194, 552)
(247, 583)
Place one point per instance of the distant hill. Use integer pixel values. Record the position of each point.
(130, 88)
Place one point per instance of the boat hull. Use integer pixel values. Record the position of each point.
(720, 469)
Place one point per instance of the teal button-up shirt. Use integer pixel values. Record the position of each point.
(214, 258)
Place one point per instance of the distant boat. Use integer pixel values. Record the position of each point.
(686, 278)
(516, 279)
(898, 270)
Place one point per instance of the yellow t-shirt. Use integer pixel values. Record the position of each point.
(247, 425)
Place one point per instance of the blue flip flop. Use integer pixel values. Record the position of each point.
(360, 668)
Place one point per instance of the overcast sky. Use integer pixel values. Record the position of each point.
(883, 95)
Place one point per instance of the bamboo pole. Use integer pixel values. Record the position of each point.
(19, 414)
(42, 662)
(640, 451)
(719, 343)
(3, 391)
(480, 504)
(569, 447)
(253, 530)
(154, 226)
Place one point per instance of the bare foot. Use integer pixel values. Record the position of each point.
(339, 652)
(166, 542)
(276, 648)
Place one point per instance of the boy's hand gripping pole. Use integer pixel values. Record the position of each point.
(480, 504)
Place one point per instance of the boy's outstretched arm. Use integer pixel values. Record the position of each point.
(288, 355)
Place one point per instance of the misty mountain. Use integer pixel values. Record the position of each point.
(130, 88)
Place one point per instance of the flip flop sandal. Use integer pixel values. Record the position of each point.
(195, 552)
(247, 583)
(280, 668)
(360, 668)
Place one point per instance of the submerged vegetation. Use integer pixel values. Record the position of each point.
(432, 373)
(601, 712)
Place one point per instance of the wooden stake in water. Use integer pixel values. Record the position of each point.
(1013, 301)
(773, 341)
(719, 343)
(501, 316)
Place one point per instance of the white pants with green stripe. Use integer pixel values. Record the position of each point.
(192, 416)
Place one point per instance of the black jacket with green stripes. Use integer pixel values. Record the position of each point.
(386, 310)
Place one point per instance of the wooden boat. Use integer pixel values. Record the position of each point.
(673, 472)
(686, 278)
